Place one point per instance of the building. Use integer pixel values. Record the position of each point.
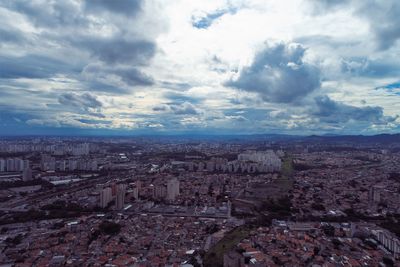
(2, 165)
(136, 192)
(105, 197)
(10, 165)
(172, 189)
(160, 191)
(27, 174)
(120, 197)
(374, 194)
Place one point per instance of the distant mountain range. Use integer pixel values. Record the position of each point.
(380, 138)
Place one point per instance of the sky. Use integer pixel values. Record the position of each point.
(199, 67)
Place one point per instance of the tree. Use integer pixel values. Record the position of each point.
(109, 228)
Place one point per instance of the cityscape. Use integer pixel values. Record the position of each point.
(199, 133)
(145, 201)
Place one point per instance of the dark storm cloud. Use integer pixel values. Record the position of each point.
(119, 50)
(125, 7)
(32, 66)
(133, 76)
(279, 74)
(330, 111)
(130, 75)
(125, 51)
(84, 101)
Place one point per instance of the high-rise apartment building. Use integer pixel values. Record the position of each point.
(120, 197)
(172, 189)
(105, 197)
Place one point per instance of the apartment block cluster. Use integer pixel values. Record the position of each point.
(50, 163)
(13, 165)
(249, 162)
(166, 191)
(116, 192)
(17, 165)
(74, 149)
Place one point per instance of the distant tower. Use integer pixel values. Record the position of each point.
(136, 192)
(2, 165)
(120, 199)
(114, 189)
(160, 191)
(172, 189)
(27, 174)
(138, 184)
(374, 195)
(105, 197)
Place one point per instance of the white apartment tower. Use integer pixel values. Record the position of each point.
(120, 196)
(172, 189)
(105, 197)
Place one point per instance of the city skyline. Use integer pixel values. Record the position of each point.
(201, 67)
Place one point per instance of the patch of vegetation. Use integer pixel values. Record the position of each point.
(6, 185)
(109, 228)
(215, 256)
(277, 209)
(52, 211)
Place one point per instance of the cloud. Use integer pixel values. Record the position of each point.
(321, 6)
(48, 14)
(382, 16)
(279, 74)
(11, 35)
(206, 20)
(331, 111)
(125, 7)
(32, 66)
(384, 20)
(363, 66)
(185, 108)
(119, 50)
(182, 66)
(86, 102)
(128, 75)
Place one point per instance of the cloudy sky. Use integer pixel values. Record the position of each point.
(206, 67)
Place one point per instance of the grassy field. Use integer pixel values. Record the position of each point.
(215, 256)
